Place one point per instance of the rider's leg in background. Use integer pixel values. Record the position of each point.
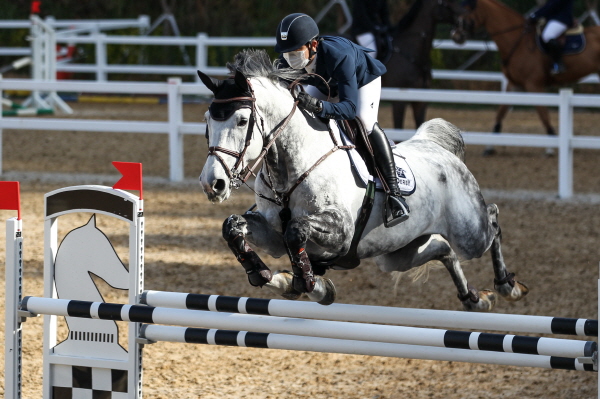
(367, 110)
(550, 36)
(367, 40)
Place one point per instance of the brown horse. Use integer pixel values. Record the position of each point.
(525, 66)
(409, 65)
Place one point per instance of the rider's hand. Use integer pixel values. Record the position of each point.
(532, 19)
(309, 103)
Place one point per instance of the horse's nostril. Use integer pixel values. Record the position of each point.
(219, 185)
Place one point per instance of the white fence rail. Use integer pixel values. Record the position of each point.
(176, 128)
(202, 42)
(88, 26)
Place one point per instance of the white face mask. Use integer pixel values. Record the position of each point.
(296, 59)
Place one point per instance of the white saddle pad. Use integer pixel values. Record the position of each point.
(406, 178)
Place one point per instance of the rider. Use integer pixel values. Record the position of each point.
(559, 14)
(357, 78)
(370, 18)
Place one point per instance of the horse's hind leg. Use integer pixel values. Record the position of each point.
(504, 282)
(435, 247)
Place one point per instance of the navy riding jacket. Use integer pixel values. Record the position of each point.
(346, 67)
(559, 10)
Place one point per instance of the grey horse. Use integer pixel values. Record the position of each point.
(308, 198)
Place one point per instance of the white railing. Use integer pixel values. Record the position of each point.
(88, 26)
(101, 68)
(176, 128)
(202, 42)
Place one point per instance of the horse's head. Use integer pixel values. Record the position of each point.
(231, 120)
(447, 12)
(466, 22)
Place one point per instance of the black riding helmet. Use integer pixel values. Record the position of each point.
(294, 31)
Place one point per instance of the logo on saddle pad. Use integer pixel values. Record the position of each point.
(406, 179)
(402, 178)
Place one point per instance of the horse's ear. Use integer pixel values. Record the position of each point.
(212, 83)
(241, 81)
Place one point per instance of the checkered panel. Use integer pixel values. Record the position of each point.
(78, 382)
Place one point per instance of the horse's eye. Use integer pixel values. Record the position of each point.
(242, 122)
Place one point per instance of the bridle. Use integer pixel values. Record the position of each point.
(525, 29)
(237, 178)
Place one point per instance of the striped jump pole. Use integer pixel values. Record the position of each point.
(374, 314)
(318, 328)
(327, 345)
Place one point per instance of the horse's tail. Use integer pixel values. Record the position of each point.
(443, 133)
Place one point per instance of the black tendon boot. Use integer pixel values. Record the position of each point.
(396, 210)
(554, 47)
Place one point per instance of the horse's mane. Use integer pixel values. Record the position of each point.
(409, 17)
(256, 63)
(501, 4)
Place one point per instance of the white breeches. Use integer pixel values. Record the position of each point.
(367, 107)
(553, 30)
(368, 40)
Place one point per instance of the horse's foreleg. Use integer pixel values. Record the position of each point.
(500, 115)
(398, 110)
(419, 112)
(235, 229)
(545, 119)
(504, 282)
(328, 231)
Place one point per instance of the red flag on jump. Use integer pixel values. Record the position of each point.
(36, 6)
(132, 176)
(10, 196)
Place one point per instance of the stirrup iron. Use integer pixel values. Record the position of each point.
(391, 220)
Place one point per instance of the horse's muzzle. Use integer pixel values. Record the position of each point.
(216, 191)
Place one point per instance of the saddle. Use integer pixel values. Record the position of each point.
(573, 40)
(355, 131)
(363, 157)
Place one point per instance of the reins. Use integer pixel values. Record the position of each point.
(525, 30)
(241, 177)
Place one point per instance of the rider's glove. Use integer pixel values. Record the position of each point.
(309, 103)
(532, 19)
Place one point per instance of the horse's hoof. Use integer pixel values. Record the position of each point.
(489, 151)
(324, 292)
(260, 277)
(512, 293)
(486, 302)
(281, 284)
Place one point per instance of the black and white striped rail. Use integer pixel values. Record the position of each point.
(374, 314)
(328, 345)
(316, 328)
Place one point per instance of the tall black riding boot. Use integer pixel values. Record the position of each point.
(555, 47)
(396, 210)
